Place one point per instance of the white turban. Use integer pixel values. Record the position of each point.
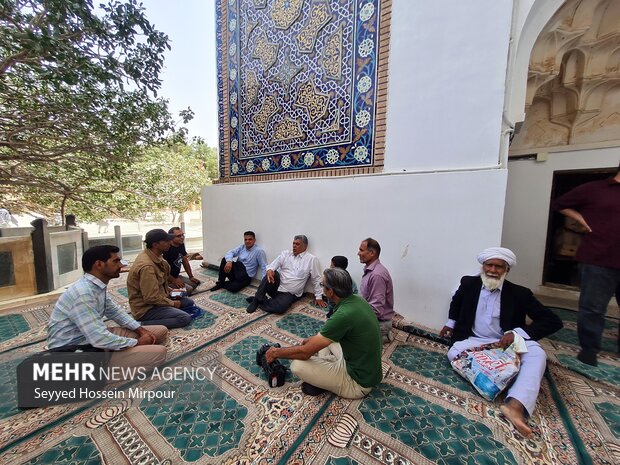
(498, 252)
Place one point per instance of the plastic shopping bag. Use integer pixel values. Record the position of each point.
(489, 368)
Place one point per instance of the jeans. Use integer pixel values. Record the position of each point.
(598, 285)
(170, 317)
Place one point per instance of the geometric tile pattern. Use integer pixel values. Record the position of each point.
(341, 461)
(300, 325)
(423, 413)
(442, 436)
(203, 322)
(210, 272)
(431, 365)
(297, 92)
(243, 353)
(11, 326)
(200, 420)
(73, 451)
(611, 414)
(123, 291)
(603, 372)
(568, 334)
(228, 298)
(8, 387)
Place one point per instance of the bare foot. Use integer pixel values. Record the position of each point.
(513, 411)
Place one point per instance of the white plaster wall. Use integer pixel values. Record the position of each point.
(447, 77)
(430, 226)
(528, 200)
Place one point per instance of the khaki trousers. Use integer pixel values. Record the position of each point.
(328, 371)
(140, 356)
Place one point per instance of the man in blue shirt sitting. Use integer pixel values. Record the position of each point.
(240, 272)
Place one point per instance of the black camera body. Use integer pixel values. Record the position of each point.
(275, 371)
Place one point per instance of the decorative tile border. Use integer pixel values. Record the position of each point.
(302, 87)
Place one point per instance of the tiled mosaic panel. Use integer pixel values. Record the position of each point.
(611, 414)
(200, 420)
(73, 451)
(234, 300)
(442, 436)
(8, 387)
(300, 325)
(602, 372)
(301, 80)
(431, 365)
(11, 326)
(205, 321)
(243, 353)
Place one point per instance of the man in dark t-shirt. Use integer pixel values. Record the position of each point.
(596, 206)
(348, 345)
(176, 257)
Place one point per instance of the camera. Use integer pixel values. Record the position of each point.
(275, 371)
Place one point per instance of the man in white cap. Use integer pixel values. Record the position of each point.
(486, 309)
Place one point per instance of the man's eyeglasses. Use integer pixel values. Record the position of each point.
(180, 235)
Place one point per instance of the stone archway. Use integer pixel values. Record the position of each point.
(572, 92)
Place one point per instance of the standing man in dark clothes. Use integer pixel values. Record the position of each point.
(596, 206)
(177, 256)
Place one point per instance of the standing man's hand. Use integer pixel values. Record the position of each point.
(194, 280)
(271, 276)
(227, 267)
(446, 331)
(320, 303)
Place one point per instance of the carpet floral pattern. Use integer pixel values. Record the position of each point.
(422, 412)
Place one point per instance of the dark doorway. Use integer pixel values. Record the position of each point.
(562, 238)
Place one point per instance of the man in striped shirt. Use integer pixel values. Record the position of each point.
(77, 322)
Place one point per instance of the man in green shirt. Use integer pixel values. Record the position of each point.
(348, 362)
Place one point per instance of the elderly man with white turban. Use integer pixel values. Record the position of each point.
(486, 309)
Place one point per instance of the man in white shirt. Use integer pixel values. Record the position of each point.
(286, 279)
(487, 309)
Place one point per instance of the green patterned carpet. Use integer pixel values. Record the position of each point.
(422, 413)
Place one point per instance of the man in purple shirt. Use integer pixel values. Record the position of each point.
(596, 206)
(376, 286)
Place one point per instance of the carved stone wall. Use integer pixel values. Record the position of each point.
(573, 89)
(302, 87)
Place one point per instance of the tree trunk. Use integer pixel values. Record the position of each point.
(63, 205)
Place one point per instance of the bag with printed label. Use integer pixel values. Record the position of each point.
(489, 368)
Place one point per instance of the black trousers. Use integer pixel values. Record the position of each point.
(238, 276)
(279, 302)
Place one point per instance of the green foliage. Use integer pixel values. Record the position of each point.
(78, 93)
(164, 177)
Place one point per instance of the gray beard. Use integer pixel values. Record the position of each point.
(492, 283)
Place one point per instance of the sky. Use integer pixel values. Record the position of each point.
(190, 74)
